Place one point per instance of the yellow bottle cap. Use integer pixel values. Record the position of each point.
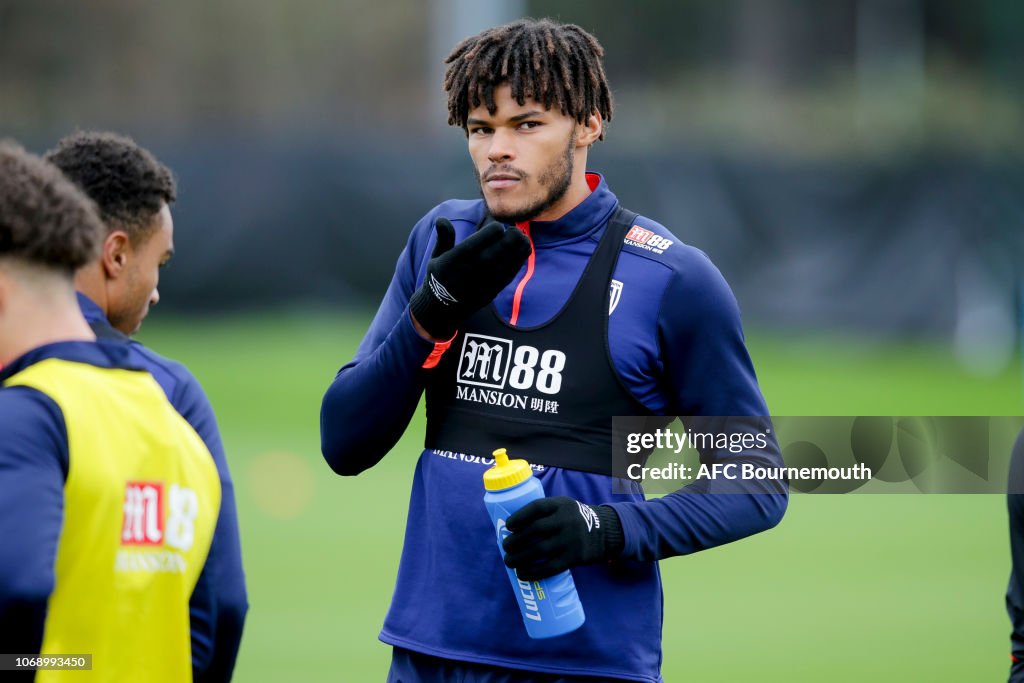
(506, 473)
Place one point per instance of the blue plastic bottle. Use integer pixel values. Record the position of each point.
(550, 607)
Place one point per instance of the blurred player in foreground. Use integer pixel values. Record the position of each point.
(133, 192)
(108, 498)
(561, 309)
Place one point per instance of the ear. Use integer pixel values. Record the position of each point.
(116, 251)
(589, 132)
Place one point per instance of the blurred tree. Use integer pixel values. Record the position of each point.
(194, 63)
(805, 78)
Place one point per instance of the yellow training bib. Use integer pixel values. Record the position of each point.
(140, 505)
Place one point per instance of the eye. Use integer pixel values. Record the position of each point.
(480, 130)
(528, 125)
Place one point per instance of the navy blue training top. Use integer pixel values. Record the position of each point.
(219, 602)
(675, 340)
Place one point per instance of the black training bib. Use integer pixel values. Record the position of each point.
(547, 393)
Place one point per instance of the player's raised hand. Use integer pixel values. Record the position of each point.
(551, 535)
(462, 278)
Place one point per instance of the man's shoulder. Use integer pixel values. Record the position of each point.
(174, 378)
(30, 422)
(152, 359)
(464, 215)
(458, 211)
(19, 403)
(652, 243)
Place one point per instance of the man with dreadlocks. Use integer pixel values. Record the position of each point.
(530, 318)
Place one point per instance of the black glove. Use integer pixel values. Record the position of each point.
(552, 534)
(464, 278)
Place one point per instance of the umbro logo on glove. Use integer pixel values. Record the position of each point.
(589, 516)
(443, 295)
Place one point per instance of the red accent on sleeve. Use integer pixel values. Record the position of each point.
(435, 356)
(1013, 658)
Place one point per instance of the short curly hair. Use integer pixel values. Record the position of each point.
(125, 180)
(558, 65)
(44, 219)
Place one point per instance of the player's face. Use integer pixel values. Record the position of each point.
(524, 157)
(134, 293)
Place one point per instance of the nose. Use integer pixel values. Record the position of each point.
(502, 146)
(154, 298)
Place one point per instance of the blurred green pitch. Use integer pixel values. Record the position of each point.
(847, 588)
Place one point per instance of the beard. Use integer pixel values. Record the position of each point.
(556, 179)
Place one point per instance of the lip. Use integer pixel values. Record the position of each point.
(499, 182)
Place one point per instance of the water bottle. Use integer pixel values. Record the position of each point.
(550, 607)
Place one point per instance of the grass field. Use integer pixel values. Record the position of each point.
(847, 588)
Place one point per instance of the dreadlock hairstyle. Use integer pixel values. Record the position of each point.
(558, 65)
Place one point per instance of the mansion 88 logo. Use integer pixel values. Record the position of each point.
(647, 239)
(158, 527)
(145, 521)
(490, 365)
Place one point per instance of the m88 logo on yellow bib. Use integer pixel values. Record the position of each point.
(153, 519)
